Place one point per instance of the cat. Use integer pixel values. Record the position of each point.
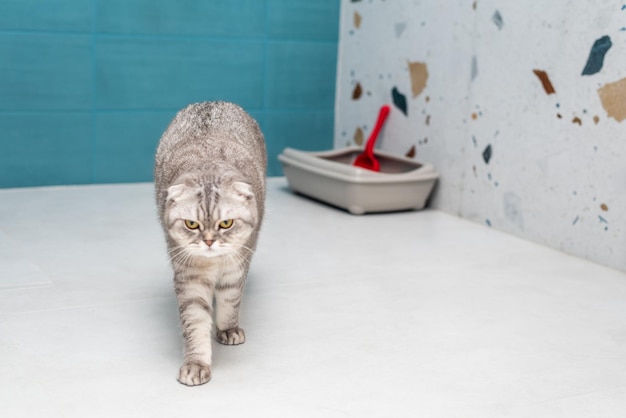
(209, 175)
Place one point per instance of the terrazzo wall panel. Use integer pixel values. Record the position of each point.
(520, 105)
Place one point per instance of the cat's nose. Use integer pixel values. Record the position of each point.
(209, 242)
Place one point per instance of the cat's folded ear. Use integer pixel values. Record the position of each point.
(183, 190)
(176, 191)
(244, 190)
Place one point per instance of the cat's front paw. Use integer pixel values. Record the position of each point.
(194, 373)
(231, 336)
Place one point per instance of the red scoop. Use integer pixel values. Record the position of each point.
(366, 159)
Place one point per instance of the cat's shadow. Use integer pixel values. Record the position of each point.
(171, 346)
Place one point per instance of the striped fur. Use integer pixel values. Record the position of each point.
(210, 167)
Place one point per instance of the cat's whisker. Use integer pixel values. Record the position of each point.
(174, 256)
(181, 256)
(243, 247)
(174, 252)
(247, 248)
(243, 262)
(238, 260)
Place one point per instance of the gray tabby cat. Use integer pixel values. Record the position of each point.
(210, 191)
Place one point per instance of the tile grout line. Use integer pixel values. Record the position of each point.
(265, 38)
(265, 61)
(154, 110)
(93, 89)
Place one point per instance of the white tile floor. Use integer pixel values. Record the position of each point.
(397, 315)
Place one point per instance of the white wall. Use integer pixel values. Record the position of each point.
(549, 179)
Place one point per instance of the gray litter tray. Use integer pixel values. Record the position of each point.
(329, 176)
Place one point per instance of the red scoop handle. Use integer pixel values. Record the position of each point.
(382, 115)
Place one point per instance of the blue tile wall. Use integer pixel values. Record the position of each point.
(45, 148)
(47, 15)
(117, 152)
(304, 130)
(87, 87)
(298, 75)
(230, 19)
(45, 72)
(311, 20)
(170, 73)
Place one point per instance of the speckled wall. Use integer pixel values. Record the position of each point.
(520, 105)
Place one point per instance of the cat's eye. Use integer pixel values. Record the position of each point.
(226, 224)
(191, 224)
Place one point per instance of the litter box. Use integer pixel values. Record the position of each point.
(329, 176)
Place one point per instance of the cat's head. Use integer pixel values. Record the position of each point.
(209, 217)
